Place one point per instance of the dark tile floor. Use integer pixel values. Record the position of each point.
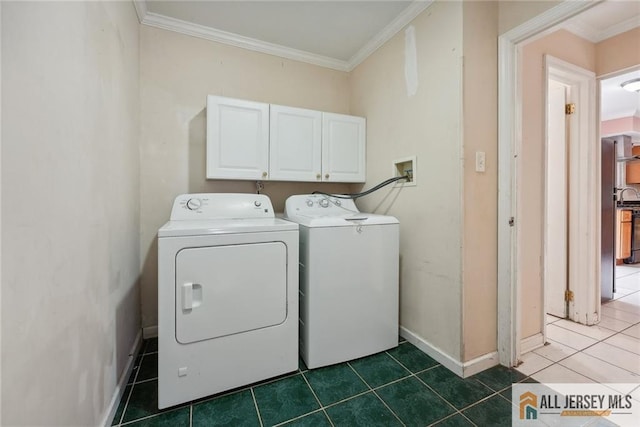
(399, 387)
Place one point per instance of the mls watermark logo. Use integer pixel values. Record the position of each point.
(575, 405)
(528, 406)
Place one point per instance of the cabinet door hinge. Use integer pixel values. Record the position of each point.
(569, 108)
(568, 295)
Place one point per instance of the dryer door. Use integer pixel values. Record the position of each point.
(225, 290)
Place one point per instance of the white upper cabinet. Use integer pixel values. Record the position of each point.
(258, 141)
(237, 139)
(295, 144)
(343, 148)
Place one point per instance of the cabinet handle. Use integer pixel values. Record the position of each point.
(326, 176)
(264, 174)
(318, 176)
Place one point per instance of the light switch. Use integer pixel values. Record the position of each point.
(480, 161)
(182, 372)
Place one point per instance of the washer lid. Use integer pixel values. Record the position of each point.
(343, 220)
(224, 226)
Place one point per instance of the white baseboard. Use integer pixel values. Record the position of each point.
(531, 343)
(122, 382)
(479, 364)
(149, 332)
(461, 369)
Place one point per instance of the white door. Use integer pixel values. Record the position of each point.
(225, 290)
(556, 247)
(237, 139)
(582, 194)
(343, 148)
(295, 145)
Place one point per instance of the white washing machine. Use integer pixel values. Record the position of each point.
(349, 282)
(227, 295)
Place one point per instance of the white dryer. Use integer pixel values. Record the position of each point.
(227, 295)
(349, 285)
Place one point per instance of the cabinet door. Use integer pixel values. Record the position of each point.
(623, 233)
(625, 240)
(343, 148)
(295, 144)
(633, 168)
(237, 138)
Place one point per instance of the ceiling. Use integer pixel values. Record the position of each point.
(340, 34)
(599, 23)
(617, 102)
(337, 34)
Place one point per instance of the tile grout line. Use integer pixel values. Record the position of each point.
(285, 422)
(582, 351)
(415, 375)
(581, 334)
(126, 405)
(255, 404)
(602, 341)
(317, 399)
(457, 411)
(376, 394)
(151, 416)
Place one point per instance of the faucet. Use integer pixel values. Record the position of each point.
(622, 190)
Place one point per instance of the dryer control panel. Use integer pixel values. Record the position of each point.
(187, 207)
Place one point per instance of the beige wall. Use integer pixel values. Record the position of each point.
(429, 126)
(177, 72)
(70, 217)
(512, 13)
(568, 47)
(480, 238)
(618, 53)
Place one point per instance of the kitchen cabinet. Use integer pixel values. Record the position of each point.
(633, 167)
(257, 141)
(237, 139)
(623, 234)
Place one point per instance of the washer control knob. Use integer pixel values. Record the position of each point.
(337, 202)
(309, 202)
(257, 203)
(324, 203)
(194, 204)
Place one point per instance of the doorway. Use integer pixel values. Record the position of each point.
(509, 211)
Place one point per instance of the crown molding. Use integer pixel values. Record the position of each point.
(196, 30)
(141, 9)
(406, 16)
(620, 28)
(585, 31)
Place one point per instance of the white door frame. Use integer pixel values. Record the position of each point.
(509, 143)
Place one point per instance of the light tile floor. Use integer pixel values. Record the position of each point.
(605, 353)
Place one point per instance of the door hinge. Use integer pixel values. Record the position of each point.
(569, 108)
(568, 295)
